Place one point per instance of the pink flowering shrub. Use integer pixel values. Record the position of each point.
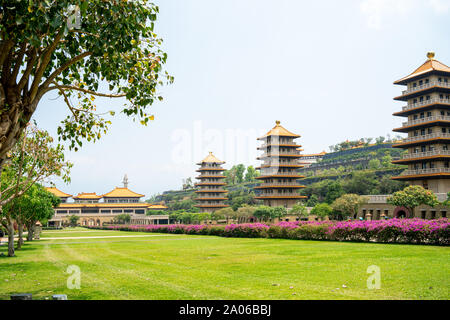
(416, 231)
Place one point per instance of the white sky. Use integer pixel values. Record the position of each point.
(323, 68)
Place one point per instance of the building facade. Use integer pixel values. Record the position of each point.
(279, 168)
(427, 124)
(210, 190)
(95, 212)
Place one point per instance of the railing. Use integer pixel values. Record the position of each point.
(426, 119)
(426, 102)
(278, 184)
(279, 153)
(426, 154)
(212, 190)
(425, 171)
(425, 86)
(278, 195)
(276, 173)
(427, 136)
(382, 198)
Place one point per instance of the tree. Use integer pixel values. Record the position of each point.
(36, 204)
(240, 169)
(278, 212)
(72, 48)
(251, 174)
(412, 197)
(321, 210)
(73, 219)
(123, 218)
(299, 210)
(361, 182)
(335, 190)
(263, 212)
(227, 212)
(347, 205)
(33, 159)
(374, 164)
(312, 201)
(244, 213)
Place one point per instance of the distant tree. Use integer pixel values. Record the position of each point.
(240, 169)
(263, 212)
(334, 191)
(374, 164)
(412, 197)
(123, 218)
(379, 140)
(321, 210)
(389, 186)
(312, 201)
(250, 174)
(227, 212)
(73, 220)
(278, 212)
(299, 210)
(361, 182)
(245, 212)
(347, 205)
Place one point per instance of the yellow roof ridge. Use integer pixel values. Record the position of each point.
(430, 65)
(87, 195)
(122, 193)
(58, 192)
(211, 158)
(279, 130)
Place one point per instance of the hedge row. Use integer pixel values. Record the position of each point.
(415, 231)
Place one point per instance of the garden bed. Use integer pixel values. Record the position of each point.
(413, 231)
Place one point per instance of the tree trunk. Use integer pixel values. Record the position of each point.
(20, 241)
(30, 232)
(10, 238)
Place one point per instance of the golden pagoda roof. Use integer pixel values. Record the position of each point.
(314, 154)
(279, 130)
(211, 159)
(428, 66)
(88, 196)
(58, 192)
(122, 193)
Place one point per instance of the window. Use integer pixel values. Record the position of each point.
(442, 113)
(430, 131)
(422, 132)
(444, 214)
(429, 114)
(444, 130)
(422, 115)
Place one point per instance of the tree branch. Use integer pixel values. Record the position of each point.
(94, 93)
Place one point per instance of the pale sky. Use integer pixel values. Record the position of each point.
(325, 69)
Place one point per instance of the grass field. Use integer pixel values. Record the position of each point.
(161, 266)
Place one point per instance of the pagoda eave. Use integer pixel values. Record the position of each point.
(281, 197)
(280, 187)
(419, 159)
(281, 176)
(440, 175)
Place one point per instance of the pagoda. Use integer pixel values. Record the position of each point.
(279, 170)
(427, 124)
(210, 193)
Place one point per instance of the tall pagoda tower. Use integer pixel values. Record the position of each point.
(279, 168)
(427, 124)
(210, 193)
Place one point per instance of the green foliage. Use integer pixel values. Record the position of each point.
(347, 206)
(312, 201)
(73, 220)
(299, 209)
(321, 210)
(412, 197)
(115, 44)
(123, 218)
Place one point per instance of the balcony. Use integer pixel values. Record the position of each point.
(424, 171)
(426, 86)
(426, 102)
(426, 137)
(426, 119)
(426, 154)
(278, 185)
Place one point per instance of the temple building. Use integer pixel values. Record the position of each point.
(427, 124)
(279, 168)
(94, 212)
(308, 159)
(210, 193)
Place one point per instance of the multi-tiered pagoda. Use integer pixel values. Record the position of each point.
(428, 126)
(210, 193)
(279, 170)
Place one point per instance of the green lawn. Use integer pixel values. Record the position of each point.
(159, 266)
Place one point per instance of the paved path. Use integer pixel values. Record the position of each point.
(104, 237)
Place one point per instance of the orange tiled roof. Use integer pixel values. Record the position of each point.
(279, 130)
(122, 193)
(58, 192)
(211, 159)
(314, 154)
(157, 206)
(430, 65)
(88, 196)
